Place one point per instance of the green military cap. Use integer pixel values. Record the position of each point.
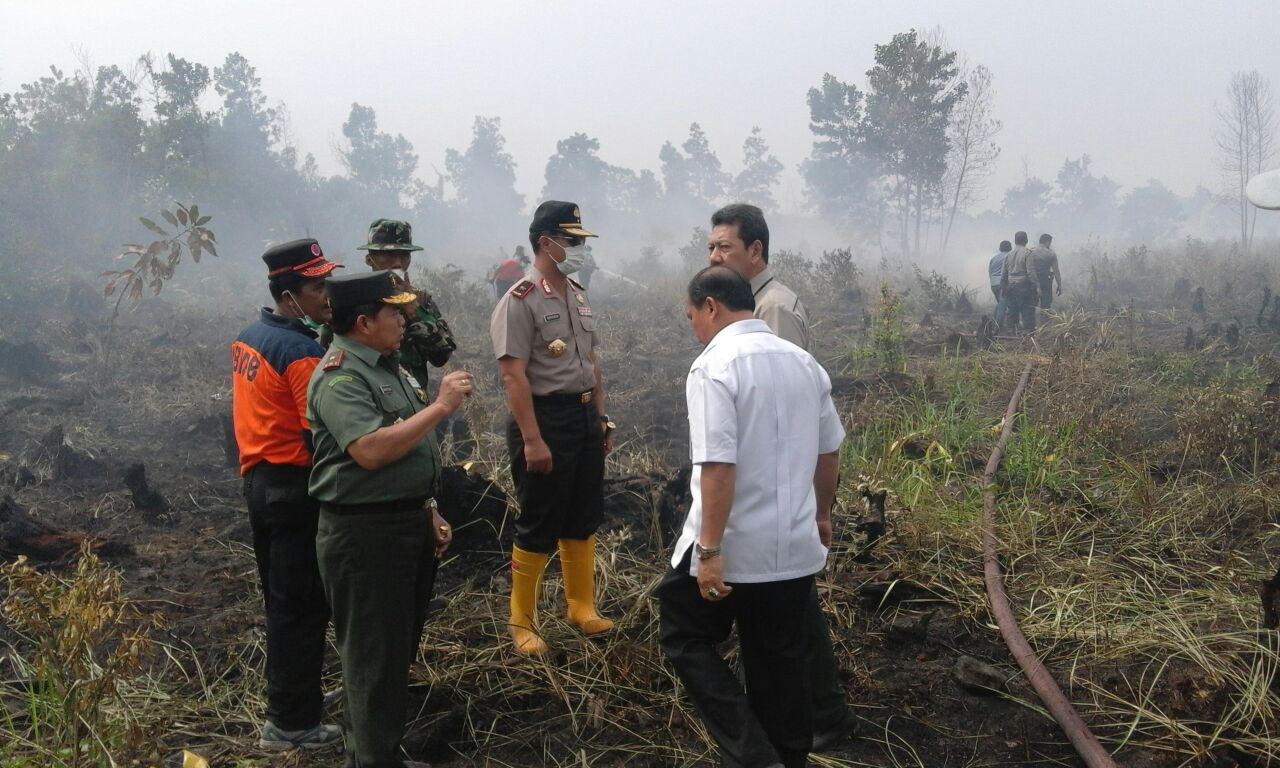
(366, 288)
(559, 216)
(390, 235)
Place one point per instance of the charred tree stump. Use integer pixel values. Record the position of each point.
(1271, 602)
(873, 525)
(145, 499)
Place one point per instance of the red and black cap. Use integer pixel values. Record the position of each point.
(300, 257)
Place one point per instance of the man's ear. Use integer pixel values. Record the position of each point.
(755, 250)
(368, 260)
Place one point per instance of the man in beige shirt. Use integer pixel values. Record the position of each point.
(544, 339)
(740, 240)
(1018, 285)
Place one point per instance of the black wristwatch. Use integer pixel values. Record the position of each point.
(608, 422)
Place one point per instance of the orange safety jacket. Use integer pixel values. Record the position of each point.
(271, 365)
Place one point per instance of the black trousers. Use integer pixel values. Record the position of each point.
(771, 721)
(1046, 293)
(1022, 300)
(822, 670)
(378, 571)
(567, 503)
(283, 519)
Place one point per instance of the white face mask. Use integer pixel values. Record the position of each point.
(574, 257)
(305, 318)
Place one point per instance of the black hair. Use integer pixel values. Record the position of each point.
(750, 222)
(1046, 238)
(1020, 238)
(1005, 247)
(289, 281)
(724, 285)
(344, 318)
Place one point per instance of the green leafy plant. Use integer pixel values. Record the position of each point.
(157, 260)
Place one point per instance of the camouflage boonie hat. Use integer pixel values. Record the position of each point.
(390, 235)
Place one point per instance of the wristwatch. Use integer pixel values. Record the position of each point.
(705, 553)
(608, 422)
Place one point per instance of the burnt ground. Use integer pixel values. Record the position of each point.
(124, 441)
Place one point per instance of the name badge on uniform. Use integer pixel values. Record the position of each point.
(584, 311)
(386, 389)
(551, 317)
(413, 383)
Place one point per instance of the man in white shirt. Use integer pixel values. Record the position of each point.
(764, 439)
(739, 240)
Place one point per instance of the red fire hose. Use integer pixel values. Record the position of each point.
(1085, 743)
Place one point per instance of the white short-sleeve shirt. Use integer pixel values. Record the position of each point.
(763, 404)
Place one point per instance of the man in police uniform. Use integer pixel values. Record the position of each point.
(375, 470)
(740, 240)
(271, 364)
(544, 338)
(427, 337)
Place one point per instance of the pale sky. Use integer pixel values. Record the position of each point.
(1135, 85)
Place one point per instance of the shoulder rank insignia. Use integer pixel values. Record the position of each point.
(333, 360)
(546, 287)
(522, 289)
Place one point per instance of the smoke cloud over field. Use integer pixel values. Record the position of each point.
(912, 136)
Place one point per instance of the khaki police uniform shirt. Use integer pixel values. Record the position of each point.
(356, 390)
(556, 334)
(1018, 265)
(780, 309)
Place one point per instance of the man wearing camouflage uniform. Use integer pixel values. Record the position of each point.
(427, 337)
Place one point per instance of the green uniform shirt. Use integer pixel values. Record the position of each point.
(427, 339)
(356, 390)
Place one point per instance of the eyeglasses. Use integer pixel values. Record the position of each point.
(573, 240)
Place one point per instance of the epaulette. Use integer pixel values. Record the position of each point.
(522, 289)
(333, 360)
(576, 284)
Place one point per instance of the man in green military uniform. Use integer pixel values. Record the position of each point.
(427, 337)
(375, 469)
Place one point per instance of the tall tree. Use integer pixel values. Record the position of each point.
(576, 172)
(693, 175)
(377, 161)
(838, 172)
(1082, 201)
(484, 176)
(972, 149)
(1151, 213)
(912, 91)
(1246, 141)
(1026, 203)
(760, 172)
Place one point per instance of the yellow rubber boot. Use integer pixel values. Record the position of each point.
(578, 565)
(526, 575)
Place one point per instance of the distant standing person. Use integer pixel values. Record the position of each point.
(509, 272)
(1046, 264)
(764, 438)
(379, 536)
(740, 240)
(1018, 285)
(588, 269)
(996, 271)
(545, 341)
(271, 364)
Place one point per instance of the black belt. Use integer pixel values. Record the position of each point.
(376, 507)
(572, 398)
